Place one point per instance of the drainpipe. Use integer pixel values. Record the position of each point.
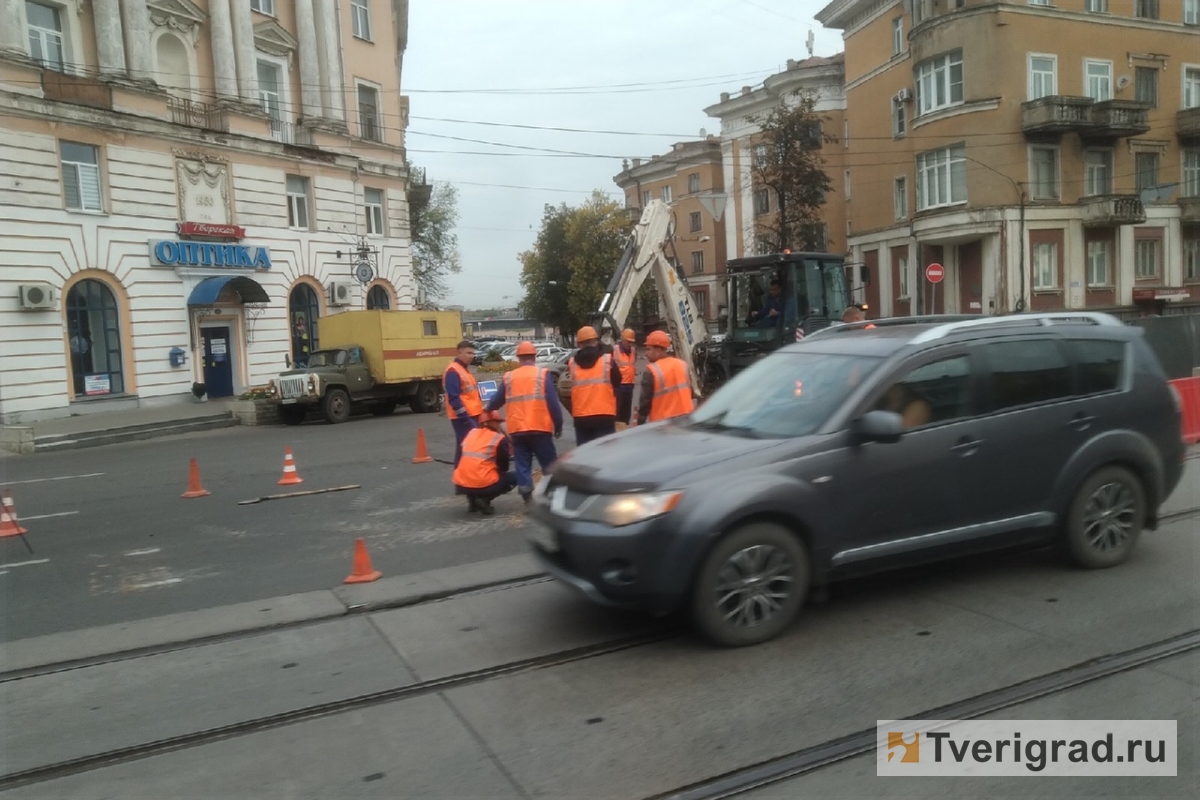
(1019, 306)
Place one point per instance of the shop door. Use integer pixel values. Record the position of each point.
(970, 278)
(218, 365)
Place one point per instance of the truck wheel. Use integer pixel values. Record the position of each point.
(337, 405)
(428, 399)
(292, 415)
(384, 409)
(1106, 518)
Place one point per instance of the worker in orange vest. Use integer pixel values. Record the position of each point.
(463, 403)
(625, 354)
(482, 472)
(666, 385)
(535, 417)
(595, 377)
(854, 314)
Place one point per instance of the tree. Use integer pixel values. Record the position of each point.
(545, 273)
(434, 243)
(787, 161)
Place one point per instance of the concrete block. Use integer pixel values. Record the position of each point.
(16, 439)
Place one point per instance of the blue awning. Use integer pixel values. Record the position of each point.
(208, 290)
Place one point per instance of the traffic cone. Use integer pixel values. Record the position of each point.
(362, 572)
(422, 456)
(8, 518)
(290, 476)
(194, 488)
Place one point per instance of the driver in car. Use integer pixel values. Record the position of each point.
(771, 312)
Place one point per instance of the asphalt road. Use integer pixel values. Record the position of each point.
(113, 540)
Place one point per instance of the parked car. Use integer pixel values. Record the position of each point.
(544, 350)
(866, 450)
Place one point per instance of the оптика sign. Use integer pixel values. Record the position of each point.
(170, 253)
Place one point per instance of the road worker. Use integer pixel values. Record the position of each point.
(463, 403)
(535, 416)
(855, 314)
(482, 472)
(625, 354)
(666, 390)
(595, 377)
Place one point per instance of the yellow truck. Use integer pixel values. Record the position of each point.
(372, 359)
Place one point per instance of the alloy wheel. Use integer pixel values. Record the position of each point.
(754, 584)
(1109, 517)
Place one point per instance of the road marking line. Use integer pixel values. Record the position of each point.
(153, 584)
(25, 563)
(48, 516)
(146, 552)
(62, 478)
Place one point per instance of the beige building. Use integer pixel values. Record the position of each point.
(187, 187)
(1047, 154)
(687, 178)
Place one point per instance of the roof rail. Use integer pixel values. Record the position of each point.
(1022, 320)
(888, 322)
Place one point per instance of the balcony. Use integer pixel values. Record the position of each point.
(1189, 210)
(1056, 115)
(419, 192)
(290, 133)
(1117, 119)
(1187, 125)
(77, 89)
(1111, 210)
(197, 115)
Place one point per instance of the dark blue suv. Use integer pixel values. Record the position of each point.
(866, 449)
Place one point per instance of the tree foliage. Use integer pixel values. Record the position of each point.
(434, 244)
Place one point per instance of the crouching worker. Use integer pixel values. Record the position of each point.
(482, 473)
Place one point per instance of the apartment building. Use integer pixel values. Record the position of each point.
(187, 187)
(1047, 154)
(690, 179)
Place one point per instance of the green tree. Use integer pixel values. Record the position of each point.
(434, 244)
(545, 273)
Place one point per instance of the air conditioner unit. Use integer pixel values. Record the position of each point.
(339, 293)
(36, 295)
(904, 95)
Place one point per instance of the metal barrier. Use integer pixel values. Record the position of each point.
(1188, 390)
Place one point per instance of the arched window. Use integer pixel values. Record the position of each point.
(94, 339)
(378, 298)
(305, 308)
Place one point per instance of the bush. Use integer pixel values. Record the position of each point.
(498, 366)
(256, 393)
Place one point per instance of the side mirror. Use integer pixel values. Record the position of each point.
(885, 427)
(864, 275)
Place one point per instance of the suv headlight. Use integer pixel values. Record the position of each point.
(626, 509)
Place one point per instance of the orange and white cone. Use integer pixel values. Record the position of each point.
(362, 571)
(8, 518)
(290, 476)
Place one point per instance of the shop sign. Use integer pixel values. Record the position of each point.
(1161, 293)
(96, 384)
(167, 253)
(208, 229)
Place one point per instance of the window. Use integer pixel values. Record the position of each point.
(1043, 76)
(1039, 2)
(46, 35)
(297, 199)
(900, 197)
(693, 183)
(1146, 9)
(695, 223)
(1146, 165)
(847, 179)
(666, 194)
(270, 84)
(94, 337)
(645, 198)
(1191, 173)
(1045, 265)
(899, 118)
(360, 14)
(1191, 87)
(902, 270)
(1145, 259)
(931, 394)
(1026, 372)
(305, 308)
(920, 10)
(897, 36)
(373, 202)
(1146, 86)
(1099, 365)
(1043, 172)
(760, 156)
(263, 6)
(941, 178)
(368, 113)
(1099, 264)
(940, 82)
(81, 177)
(1191, 12)
(762, 202)
(377, 298)
(429, 327)
(1191, 260)
(700, 301)
(1098, 79)
(697, 262)
(1097, 6)
(1097, 166)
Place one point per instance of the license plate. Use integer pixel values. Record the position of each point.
(287, 400)
(544, 536)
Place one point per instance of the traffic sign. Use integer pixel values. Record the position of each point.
(487, 390)
(934, 273)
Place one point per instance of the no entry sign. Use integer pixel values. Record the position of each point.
(934, 273)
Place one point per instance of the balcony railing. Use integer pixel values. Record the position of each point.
(1119, 118)
(1110, 210)
(419, 191)
(290, 133)
(197, 115)
(1056, 114)
(1189, 209)
(1187, 125)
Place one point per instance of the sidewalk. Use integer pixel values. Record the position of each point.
(110, 427)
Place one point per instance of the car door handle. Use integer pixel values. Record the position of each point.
(967, 446)
(1081, 421)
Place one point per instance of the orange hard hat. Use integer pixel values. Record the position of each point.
(586, 334)
(658, 339)
(526, 349)
(490, 416)
(628, 335)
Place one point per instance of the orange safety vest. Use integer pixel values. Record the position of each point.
(592, 394)
(469, 391)
(477, 468)
(525, 397)
(627, 363)
(672, 389)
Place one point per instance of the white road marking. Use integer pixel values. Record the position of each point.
(153, 584)
(25, 563)
(3, 572)
(61, 478)
(48, 516)
(146, 552)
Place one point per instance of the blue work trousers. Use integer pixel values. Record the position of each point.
(525, 447)
(462, 426)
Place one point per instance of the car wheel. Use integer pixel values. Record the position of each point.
(337, 406)
(292, 415)
(1106, 518)
(384, 409)
(751, 585)
(428, 398)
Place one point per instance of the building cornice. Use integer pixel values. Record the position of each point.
(847, 15)
(694, 154)
(1052, 12)
(972, 107)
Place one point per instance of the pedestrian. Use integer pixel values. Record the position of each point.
(595, 378)
(625, 354)
(463, 404)
(482, 472)
(666, 384)
(535, 418)
(854, 314)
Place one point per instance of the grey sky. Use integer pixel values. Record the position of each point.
(703, 47)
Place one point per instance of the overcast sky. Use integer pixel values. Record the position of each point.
(681, 53)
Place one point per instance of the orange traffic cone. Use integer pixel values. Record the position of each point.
(194, 488)
(290, 476)
(363, 572)
(422, 456)
(8, 518)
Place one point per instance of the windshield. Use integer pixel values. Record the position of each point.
(784, 395)
(327, 358)
(769, 305)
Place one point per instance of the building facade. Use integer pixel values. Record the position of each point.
(187, 187)
(688, 178)
(1046, 154)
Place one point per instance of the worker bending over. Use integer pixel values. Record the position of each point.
(666, 383)
(482, 472)
(534, 416)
